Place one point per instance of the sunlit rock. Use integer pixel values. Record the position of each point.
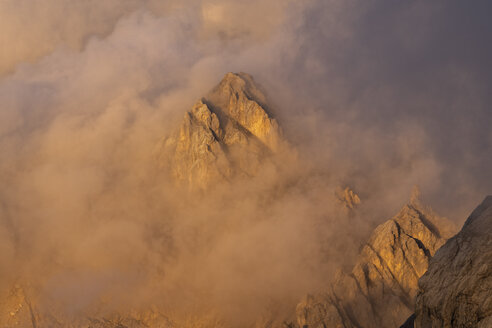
(227, 133)
(380, 290)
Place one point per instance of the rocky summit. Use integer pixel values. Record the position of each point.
(381, 288)
(229, 132)
(456, 291)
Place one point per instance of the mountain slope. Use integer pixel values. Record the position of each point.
(380, 290)
(456, 291)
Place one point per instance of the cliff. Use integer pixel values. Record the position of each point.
(227, 133)
(456, 291)
(380, 290)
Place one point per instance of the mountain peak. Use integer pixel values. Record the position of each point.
(380, 289)
(237, 81)
(415, 197)
(228, 132)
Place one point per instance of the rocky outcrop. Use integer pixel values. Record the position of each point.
(229, 132)
(380, 290)
(16, 309)
(456, 291)
(347, 197)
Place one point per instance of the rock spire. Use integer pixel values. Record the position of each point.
(227, 133)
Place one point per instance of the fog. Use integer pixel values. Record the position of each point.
(377, 96)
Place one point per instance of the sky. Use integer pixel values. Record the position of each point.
(378, 96)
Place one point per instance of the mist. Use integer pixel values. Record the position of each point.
(377, 96)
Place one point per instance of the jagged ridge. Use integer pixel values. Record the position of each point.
(380, 290)
(226, 133)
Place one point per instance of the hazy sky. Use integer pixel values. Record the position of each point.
(376, 95)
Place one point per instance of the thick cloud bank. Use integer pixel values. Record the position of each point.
(377, 96)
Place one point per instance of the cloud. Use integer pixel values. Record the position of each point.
(378, 96)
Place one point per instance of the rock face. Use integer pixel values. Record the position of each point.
(229, 132)
(456, 291)
(380, 290)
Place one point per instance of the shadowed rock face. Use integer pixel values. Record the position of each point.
(380, 290)
(456, 291)
(229, 132)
